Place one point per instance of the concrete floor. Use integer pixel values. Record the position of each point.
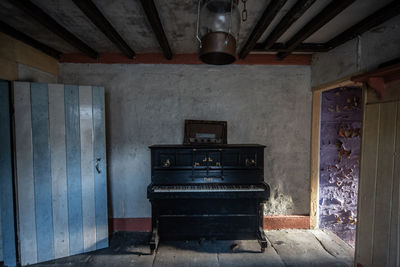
(289, 248)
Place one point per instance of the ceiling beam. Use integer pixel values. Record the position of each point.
(98, 19)
(154, 19)
(280, 47)
(291, 17)
(7, 29)
(269, 14)
(39, 15)
(389, 11)
(316, 23)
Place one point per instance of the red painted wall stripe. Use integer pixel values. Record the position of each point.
(273, 222)
(130, 224)
(188, 59)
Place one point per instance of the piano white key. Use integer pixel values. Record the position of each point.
(207, 188)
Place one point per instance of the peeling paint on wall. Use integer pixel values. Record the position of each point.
(341, 118)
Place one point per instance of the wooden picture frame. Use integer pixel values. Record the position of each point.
(205, 132)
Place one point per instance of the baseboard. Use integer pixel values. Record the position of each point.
(130, 224)
(275, 222)
(271, 222)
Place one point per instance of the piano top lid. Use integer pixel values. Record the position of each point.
(205, 146)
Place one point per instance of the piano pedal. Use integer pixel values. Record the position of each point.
(201, 241)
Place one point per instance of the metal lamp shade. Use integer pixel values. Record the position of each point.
(218, 48)
(218, 29)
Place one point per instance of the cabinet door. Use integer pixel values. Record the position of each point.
(7, 230)
(378, 233)
(61, 170)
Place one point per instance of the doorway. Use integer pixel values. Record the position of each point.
(339, 153)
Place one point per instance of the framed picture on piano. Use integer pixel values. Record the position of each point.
(205, 132)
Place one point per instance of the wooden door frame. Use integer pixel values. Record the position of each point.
(315, 142)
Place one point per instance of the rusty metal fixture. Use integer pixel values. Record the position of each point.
(218, 23)
(218, 48)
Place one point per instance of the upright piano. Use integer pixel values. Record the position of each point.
(213, 191)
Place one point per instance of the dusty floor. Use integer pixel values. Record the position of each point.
(289, 248)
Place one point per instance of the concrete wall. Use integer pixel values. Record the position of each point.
(365, 53)
(147, 104)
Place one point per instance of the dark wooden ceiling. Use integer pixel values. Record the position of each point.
(92, 27)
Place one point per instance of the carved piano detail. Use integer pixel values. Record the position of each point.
(207, 191)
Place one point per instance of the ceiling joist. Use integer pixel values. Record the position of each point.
(39, 15)
(326, 15)
(389, 11)
(154, 19)
(291, 17)
(280, 47)
(269, 14)
(7, 29)
(98, 19)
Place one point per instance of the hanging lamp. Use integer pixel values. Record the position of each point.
(218, 23)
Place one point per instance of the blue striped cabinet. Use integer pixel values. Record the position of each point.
(60, 170)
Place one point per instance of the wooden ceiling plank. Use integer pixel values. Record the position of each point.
(291, 17)
(316, 23)
(152, 15)
(7, 29)
(39, 15)
(98, 19)
(269, 14)
(280, 47)
(389, 11)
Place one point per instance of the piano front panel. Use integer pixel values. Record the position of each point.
(209, 207)
(212, 165)
(218, 227)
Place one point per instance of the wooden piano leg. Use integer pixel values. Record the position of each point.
(154, 239)
(154, 236)
(262, 239)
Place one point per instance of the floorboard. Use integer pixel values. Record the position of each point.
(286, 248)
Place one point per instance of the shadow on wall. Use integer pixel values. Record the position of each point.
(108, 152)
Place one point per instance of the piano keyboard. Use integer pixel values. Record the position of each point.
(207, 188)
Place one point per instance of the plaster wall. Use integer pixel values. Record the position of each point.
(147, 104)
(364, 53)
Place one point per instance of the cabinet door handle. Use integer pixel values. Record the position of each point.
(250, 162)
(97, 165)
(167, 163)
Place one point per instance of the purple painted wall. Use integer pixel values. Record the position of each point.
(341, 118)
